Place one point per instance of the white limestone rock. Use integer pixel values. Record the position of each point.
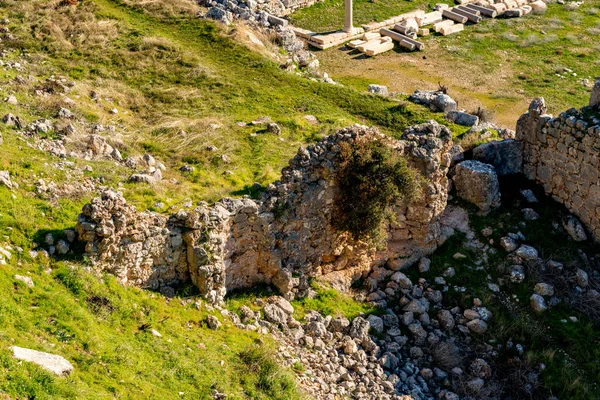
(56, 364)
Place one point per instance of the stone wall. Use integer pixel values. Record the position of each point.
(563, 155)
(283, 238)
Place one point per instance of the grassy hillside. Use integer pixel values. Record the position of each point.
(165, 72)
(105, 331)
(168, 74)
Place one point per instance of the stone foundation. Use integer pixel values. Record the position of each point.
(283, 238)
(563, 155)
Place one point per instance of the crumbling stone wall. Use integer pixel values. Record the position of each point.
(283, 238)
(563, 155)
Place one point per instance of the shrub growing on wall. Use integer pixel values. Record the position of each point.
(372, 178)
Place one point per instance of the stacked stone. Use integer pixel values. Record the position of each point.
(563, 155)
(282, 239)
(139, 248)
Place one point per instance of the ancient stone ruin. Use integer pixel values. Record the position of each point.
(288, 235)
(283, 238)
(563, 155)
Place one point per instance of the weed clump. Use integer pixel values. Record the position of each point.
(372, 177)
(267, 375)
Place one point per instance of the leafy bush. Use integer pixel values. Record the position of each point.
(372, 177)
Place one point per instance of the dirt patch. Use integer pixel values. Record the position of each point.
(405, 72)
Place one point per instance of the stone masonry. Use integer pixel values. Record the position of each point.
(563, 155)
(283, 238)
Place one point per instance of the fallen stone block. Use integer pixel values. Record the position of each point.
(538, 7)
(506, 156)
(477, 183)
(526, 9)
(370, 44)
(403, 40)
(423, 32)
(367, 36)
(499, 7)
(407, 27)
(56, 364)
(513, 13)
(467, 9)
(355, 43)
(448, 30)
(407, 45)
(430, 18)
(487, 12)
(470, 16)
(394, 20)
(445, 23)
(276, 21)
(462, 118)
(382, 48)
(461, 19)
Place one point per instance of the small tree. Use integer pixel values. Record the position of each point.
(372, 177)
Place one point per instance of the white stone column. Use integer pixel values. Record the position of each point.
(348, 16)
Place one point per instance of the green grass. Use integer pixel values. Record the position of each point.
(329, 301)
(104, 330)
(167, 74)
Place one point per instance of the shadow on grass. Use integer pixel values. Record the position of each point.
(76, 248)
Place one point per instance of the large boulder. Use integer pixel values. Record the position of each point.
(477, 183)
(275, 314)
(436, 100)
(56, 364)
(462, 118)
(595, 98)
(378, 89)
(574, 228)
(444, 103)
(506, 156)
(5, 179)
(359, 328)
(538, 7)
